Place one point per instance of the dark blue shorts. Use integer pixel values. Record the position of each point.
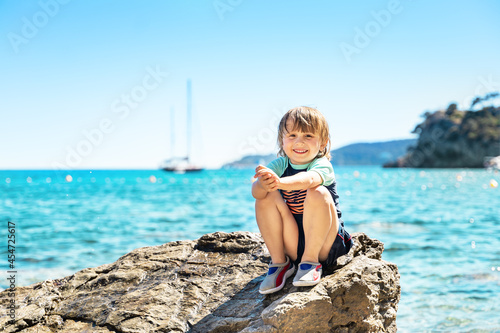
(342, 244)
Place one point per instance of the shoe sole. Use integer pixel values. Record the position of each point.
(305, 283)
(278, 288)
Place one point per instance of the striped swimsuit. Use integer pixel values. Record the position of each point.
(295, 202)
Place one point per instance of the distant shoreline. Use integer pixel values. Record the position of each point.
(374, 153)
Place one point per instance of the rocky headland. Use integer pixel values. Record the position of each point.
(211, 285)
(454, 139)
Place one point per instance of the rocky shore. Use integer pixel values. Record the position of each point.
(454, 139)
(211, 285)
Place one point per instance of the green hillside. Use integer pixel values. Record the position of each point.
(376, 153)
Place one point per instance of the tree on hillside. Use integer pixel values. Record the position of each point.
(451, 108)
(483, 99)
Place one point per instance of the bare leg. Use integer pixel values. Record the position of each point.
(320, 224)
(277, 226)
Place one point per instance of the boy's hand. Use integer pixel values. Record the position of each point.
(267, 178)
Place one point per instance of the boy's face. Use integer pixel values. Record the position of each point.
(300, 147)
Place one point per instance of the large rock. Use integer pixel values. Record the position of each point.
(211, 285)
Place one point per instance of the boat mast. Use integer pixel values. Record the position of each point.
(188, 108)
(172, 133)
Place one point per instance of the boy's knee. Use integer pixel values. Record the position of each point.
(271, 197)
(318, 194)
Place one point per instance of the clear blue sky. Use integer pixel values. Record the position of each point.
(72, 68)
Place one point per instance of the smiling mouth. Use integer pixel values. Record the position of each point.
(300, 151)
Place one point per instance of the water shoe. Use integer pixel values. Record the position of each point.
(276, 277)
(308, 274)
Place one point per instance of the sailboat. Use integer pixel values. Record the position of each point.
(182, 164)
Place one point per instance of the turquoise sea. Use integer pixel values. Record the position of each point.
(441, 227)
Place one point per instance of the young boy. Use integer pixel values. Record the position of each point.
(297, 203)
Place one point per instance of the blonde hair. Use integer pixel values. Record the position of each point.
(306, 119)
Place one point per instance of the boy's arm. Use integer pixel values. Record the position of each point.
(258, 192)
(300, 181)
(266, 181)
